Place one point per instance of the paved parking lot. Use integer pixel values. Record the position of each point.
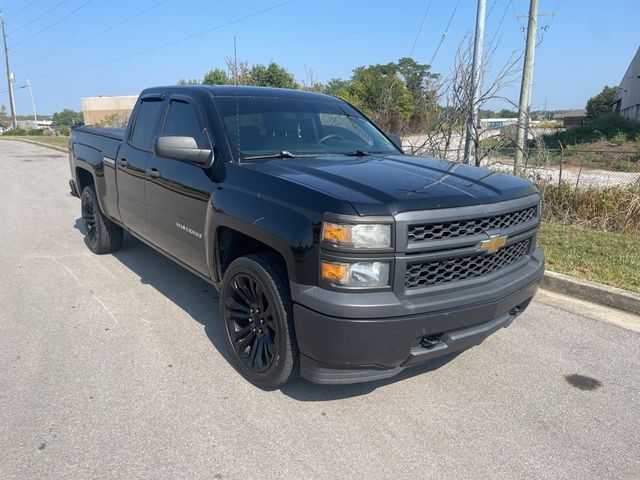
(113, 367)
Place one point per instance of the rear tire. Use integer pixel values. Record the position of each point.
(101, 235)
(256, 310)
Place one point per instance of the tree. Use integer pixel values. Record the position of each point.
(4, 119)
(272, 75)
(601, 103)
(188, 81)
(398, 96)
(67, 117)
(216, 76)
(506, 113)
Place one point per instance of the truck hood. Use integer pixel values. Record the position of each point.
(388, 184)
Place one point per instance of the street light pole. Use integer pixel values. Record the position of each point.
(33, 104)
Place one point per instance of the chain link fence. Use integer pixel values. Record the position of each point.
(593, 188)
(578, 167)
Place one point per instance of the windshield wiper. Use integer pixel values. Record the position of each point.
(282, 154)
(358, 153)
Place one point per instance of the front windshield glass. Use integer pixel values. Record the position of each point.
(266, 125)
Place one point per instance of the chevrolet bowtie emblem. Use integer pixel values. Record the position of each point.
(495, 243)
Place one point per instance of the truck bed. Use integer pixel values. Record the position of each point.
(107, 140)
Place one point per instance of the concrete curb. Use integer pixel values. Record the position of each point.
(591, 291)
(25, 140)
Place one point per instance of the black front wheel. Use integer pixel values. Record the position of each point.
(100, 234)
(255, 306)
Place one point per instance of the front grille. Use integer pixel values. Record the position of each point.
(465, 228)
(423, 274)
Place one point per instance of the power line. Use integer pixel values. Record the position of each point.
(444, 35)
(174, 42)
(22, 9)
(504, 14)
(420, 29)
(491, 7)
(106, 30)
(42, 30)
(39, 16)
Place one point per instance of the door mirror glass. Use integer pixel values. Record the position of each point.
(181, 148)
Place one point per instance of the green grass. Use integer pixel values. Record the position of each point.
(609, 258)
(57, 141)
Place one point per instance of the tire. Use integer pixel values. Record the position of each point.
(101, 235)
(256, 310)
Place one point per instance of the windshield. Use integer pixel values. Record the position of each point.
(259, 126)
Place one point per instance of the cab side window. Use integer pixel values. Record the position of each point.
(182, 120)
(144, 129)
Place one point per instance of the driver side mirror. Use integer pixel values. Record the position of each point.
(181, 148)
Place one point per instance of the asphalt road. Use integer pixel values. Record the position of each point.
(113, 368)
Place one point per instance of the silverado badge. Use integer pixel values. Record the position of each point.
(495, 243)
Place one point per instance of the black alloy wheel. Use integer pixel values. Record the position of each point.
(89, 219)
(256, 310)
(250, 323)
(100, 234)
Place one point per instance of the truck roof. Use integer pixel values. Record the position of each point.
(242, 90)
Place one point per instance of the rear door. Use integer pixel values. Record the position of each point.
(178, 193)
(131, 164)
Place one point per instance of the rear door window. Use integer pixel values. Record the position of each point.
(144, 129)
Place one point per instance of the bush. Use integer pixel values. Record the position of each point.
(614, 209)
(605, 126)
(25, 132)
(625, 165)
(619, 138)
(64, 131)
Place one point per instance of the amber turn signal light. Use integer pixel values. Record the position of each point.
(337, 273)
(334, 233)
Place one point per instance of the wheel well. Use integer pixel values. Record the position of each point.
(233, 244)
(84, 179)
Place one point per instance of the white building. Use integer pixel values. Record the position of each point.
(627, 99)
(32, 124)
(497, 122)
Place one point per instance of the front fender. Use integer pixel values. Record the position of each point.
(285, 228)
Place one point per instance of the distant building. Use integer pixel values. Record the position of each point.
(115, 111)
(627, 99)
(495, 123)
(32, 124)
(571, 118)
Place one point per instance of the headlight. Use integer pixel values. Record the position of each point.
(363, 235)
(360, 274)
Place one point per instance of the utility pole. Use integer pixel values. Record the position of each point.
(9, 75)
(473, 125)
(33, 104)
(525, 87)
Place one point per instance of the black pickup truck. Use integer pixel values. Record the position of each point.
(336, 255)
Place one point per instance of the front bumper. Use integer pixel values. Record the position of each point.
(337, 350)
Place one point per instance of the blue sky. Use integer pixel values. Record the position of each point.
(587, 44)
